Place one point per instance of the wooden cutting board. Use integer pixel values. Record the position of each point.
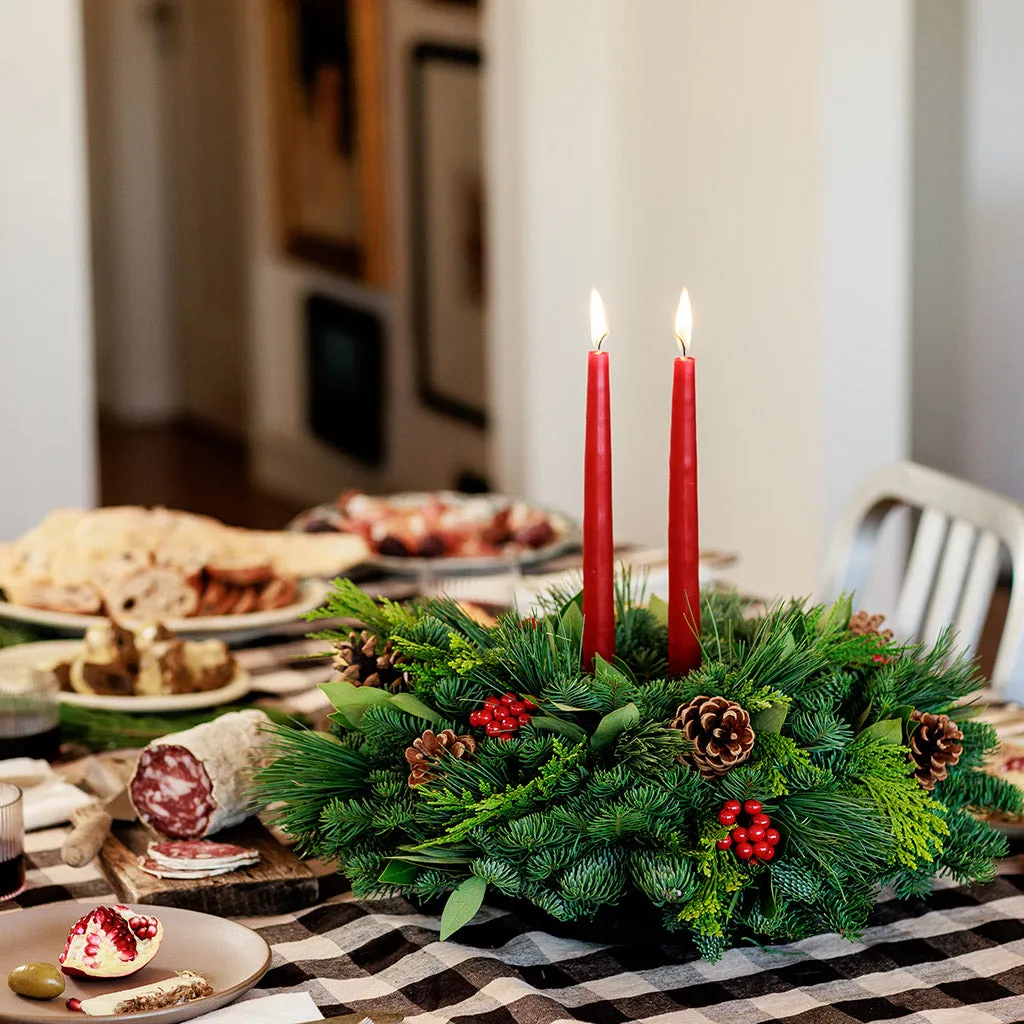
(281, 882)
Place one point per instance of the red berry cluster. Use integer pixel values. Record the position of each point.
(758, 840)
(502, 716)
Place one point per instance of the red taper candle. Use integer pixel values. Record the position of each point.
(598, 536)
(684, 653)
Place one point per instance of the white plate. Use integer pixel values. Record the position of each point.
(47, 653)
(232, 629)
(230, 956)
(567, 536)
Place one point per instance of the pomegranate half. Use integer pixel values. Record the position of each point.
(111, 942)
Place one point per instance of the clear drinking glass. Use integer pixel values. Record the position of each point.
(12, 842)
(29, 712)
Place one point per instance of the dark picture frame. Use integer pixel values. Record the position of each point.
(446, 202)
(327, 79)
(345, 378)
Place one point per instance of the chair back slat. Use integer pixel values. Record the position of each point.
(977, 596)
(954, 563)
(921, 569)
(949, 585)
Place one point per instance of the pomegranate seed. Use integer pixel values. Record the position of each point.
(73, 1004)
(136, 922)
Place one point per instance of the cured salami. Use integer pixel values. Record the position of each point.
(200, 855)
(190, 784)
(199, 849)
(151, 867)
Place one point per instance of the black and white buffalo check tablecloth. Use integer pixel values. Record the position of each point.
(956, 958)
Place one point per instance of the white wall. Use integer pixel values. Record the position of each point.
(424, 449)
(941, 350)
(129, 137)
(758, 153)
(993, 361)
(46, 390)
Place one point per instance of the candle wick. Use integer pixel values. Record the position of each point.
(682, 346)
(600, 341)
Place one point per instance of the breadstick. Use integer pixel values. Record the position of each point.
(84, 840)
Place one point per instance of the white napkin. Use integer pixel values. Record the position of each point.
(51, 804)
(284, 1008)
(46, 799)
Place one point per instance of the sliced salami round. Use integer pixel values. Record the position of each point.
(151, 867)
(189, 784)
(199, 849)
(202, 861)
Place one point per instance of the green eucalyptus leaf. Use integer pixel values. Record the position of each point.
(430, 860)
(888, 731)
(570, 626)
(398, 874)
(837, 617)
(863, 716)
(612, 724)
(414, 706)
(564, 707)
(658, 609)
(607, 672)
(771, 719)
(569, 730)
(462, 905)
(352, 701)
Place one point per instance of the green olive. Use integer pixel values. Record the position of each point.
(36, 980)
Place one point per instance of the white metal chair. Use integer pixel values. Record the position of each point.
(954, 559)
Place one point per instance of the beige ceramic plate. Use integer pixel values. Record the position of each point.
(48, 653)
(229, 628)
(230, 956)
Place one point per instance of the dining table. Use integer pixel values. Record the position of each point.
(955, 957)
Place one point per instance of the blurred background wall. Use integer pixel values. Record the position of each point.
(47, 412)
(840, 183)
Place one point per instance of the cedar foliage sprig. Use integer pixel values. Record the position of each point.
(593, 805)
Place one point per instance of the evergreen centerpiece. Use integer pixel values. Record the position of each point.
(772, 792)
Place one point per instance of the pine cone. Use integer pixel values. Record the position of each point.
(720, 732)
(935, 744)
(358, 661)
(863, 624)
(429, 749)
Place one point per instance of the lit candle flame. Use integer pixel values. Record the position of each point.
(598, 321)
(684, 322)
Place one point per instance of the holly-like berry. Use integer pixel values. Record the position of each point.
(755, 833)
(726, 818)
(739, 834)
(752, 807)
(771, 836)
(761, 819)
(724, 844)
(762, 851)
(732, 806)
(501, 716)
(744, 851)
